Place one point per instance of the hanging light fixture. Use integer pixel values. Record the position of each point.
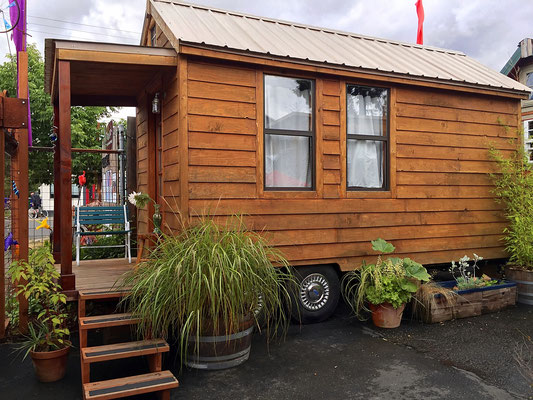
(156, 107)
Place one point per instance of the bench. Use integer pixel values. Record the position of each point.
(113, 215)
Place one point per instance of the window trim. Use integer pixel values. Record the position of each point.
(288, 132)
(384, 138)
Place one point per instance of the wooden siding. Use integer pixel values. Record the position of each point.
(142, 159)
(171, 147)
(439, 206)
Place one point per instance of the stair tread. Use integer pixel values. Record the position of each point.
(94, 294)
(132, 385)
(102, 321)
(124, 350)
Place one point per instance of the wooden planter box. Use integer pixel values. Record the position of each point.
(470, 302)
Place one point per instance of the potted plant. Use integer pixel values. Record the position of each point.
(208, 286)
(514, 189)
(47, 342)
(386, 286)
(467, 295)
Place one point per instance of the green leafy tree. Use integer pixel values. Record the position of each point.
(86, 131)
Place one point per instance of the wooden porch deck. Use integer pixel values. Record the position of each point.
(99, 274)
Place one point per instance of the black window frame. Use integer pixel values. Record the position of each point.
(289, 132)
(153, 36)
(383, 138)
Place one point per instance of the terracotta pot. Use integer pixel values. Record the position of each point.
(524, 280)
(50, 366)
(386, 316)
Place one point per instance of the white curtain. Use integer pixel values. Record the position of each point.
(365, 157)
(287, 107)
(287, 161)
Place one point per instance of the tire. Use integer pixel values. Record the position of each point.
(318, 294)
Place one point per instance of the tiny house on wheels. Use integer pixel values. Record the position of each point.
(323, 140)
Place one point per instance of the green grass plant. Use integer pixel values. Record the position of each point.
(209, 278)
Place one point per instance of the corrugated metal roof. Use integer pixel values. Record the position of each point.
(210, 27)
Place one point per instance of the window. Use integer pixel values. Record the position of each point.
(153, 37)
(367, 138)
(289, 133)
(529, 83)
(528, 139)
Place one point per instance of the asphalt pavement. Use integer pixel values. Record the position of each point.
(341, 358)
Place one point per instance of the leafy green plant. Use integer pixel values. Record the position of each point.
(391, 280)
(466, 278)
(36, 279)
(514, 188)
(209, 278)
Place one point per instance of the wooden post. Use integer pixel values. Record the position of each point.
(131, 169)
(65, 177)
(57, 198)
(20, 166)
(2, 229)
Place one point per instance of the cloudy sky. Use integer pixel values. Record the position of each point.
(487, 30)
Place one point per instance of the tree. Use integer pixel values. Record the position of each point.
(86, 131)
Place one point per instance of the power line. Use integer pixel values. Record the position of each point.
(67, 36)
(80, 30)
(78, 23)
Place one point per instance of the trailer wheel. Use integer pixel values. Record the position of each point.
(318, 293)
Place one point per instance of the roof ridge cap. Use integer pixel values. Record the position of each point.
(311, 27)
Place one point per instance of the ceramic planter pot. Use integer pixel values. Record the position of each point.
(50, 366)
(386, 316)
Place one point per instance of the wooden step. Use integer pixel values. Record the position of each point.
(105, 321)
(98, 294)
(123, 350)
(133, 385)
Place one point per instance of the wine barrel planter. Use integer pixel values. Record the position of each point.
(220, 351)
(524, 281)
(469, 302)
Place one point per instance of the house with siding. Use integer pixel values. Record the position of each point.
(520, 68)
(323, 140)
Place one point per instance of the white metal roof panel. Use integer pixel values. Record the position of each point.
(201, 25)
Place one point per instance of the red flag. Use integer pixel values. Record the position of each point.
(420, 31)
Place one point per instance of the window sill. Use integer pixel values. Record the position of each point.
(354, 194)
(292, 194)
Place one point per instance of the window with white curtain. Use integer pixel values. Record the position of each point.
(289, 133)
(528, 139)
(367, 138)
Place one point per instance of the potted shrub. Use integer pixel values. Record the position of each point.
(514, 189)
(208, 286)
(47, 342)
(386, 286)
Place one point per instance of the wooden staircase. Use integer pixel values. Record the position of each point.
(154, 381)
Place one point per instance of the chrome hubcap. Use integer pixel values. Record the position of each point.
(314, 292)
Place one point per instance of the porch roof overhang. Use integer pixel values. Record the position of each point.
(104, 74)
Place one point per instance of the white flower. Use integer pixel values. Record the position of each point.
(131, 198)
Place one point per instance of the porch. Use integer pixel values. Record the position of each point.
(95, 74)
(101, 275)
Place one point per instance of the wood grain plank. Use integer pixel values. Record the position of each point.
(222, 158)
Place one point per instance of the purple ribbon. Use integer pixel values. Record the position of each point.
(20, 45)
